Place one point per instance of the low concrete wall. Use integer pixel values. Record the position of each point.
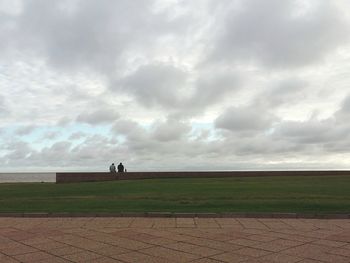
(84, 177)
(94, 177)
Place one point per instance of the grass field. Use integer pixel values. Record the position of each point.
(255, 194)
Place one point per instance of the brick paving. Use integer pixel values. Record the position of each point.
(197, 240)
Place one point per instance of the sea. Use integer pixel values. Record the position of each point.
(27, 177)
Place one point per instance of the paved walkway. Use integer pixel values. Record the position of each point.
(161, 240)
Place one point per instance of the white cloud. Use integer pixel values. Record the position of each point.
(165, 85)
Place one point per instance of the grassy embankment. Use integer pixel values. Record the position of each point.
(264, 194)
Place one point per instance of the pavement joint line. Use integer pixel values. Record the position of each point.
(261, 222)
(216, 221)
(89, 250)
(132, 221)
(193, 236)
(180, 215)
(93, 230)
(283, 220)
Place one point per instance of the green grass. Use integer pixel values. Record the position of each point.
(265, 194)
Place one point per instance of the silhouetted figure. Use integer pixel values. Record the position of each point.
(120, 168)
(112, 168)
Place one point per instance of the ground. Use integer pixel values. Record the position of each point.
(196, 240)
(293, 194)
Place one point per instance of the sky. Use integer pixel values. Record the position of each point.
(164, 85)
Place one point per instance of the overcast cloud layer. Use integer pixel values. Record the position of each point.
(174, 84)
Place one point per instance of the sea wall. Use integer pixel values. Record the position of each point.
(94, 177)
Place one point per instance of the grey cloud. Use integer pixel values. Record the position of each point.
(165, 86)
(163, 138)
(141, 149)
(58, 147)
(4, 111)
(76, 136)
(57, 154)
(212, 87)
(244, 119)
(6, 22)
(50, 135)
(151, 153)
(316, 137)
(156, 85)
(343, 114)
(75, 93)
(160, 131)
(16, 151)
(8, 12)
(90, 149)
(90, 34)
(69, 40)
(131, 129)
(170, 130)
(25, 130)
(312, 131)
(258, 145)
(63, 121)
(147, 145)
(102, 62)
(329, 133)
(278, 33)
(287, 91)
(61, 155)
(100, 116)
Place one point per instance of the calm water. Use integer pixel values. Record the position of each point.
(27, 177)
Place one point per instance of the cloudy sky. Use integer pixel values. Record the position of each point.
(174, 84)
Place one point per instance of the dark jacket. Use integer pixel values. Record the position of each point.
(120, 168)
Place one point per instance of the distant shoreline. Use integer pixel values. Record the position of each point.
(28, 177)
